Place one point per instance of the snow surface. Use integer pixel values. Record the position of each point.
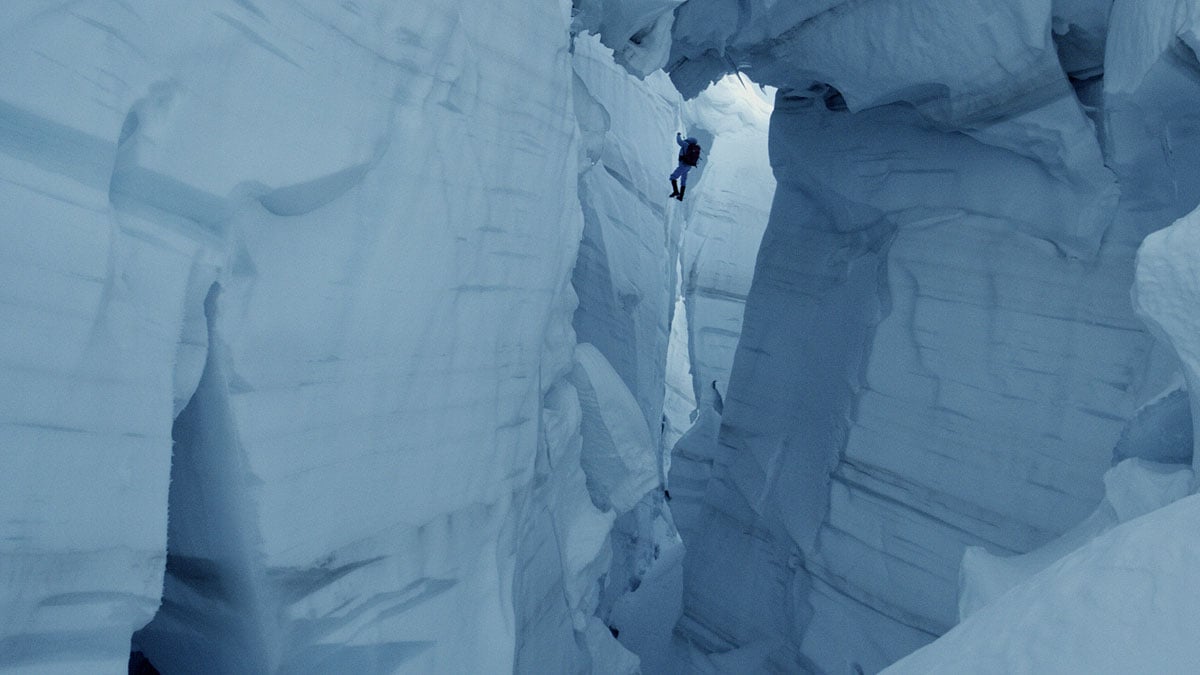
(1127, 602)
(1133, 488)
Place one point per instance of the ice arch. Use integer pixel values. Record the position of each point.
(938, 349)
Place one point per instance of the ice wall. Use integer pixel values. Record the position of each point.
(938, 349)
(725, 221)
(337, 242)
(1165, 295)
(625, 273)
(1110, 592)
(1132, 489)
(726, 211)
(626, 279)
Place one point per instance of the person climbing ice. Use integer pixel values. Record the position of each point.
(689, 156)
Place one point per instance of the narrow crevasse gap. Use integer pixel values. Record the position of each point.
(632, 319)
(726, 214)
(596, 519)
(624, 277)
(679, 409)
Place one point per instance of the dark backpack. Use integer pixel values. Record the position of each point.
(691, 154)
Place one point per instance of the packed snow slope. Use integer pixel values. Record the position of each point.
(1128, 602)
(298, 275)
(938, 349)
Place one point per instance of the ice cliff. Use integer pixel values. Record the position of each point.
(938, 349)
(289, 337)
(362, 337)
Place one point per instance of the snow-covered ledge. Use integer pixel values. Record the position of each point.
(1166, 295)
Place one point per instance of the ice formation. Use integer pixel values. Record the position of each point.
(1133, 488)
(1166, 295)
(1124, 603)
(337, 242)
(362, 337)
(1114, 594)
(938, 349)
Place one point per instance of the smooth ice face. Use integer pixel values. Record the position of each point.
(102, 332)
(620, 458)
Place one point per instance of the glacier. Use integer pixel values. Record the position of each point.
(363, 337)
(299, 276)
(938, 352)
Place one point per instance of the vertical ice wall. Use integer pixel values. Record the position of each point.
(726, 214)
(938, 348)
(1154, 133)
(625, 280)
(349, 232)
(725, 221)
(103, 341)
(1130, 617)
(625, 274)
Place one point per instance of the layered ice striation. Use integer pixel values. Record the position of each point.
(348, 338)
(1132, 489)
(302, 272)
(1117, 599)
(938, 349)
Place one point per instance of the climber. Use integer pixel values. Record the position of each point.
(689, 155)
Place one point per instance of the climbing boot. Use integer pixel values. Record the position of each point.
(674, 189)
(681, 189)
